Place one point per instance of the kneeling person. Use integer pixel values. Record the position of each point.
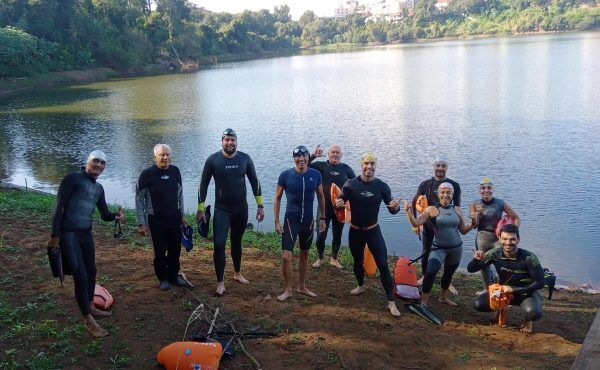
(520, 272)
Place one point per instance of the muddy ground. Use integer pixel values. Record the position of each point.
(40, 326)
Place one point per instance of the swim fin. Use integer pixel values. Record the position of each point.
(424, 312)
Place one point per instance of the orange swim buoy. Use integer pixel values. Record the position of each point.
(102, 298)
(348, 214)
(498, 301)
(190, 355)
(369, 262)
(421, 203)
(335, 193)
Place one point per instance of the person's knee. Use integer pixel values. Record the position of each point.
(481, 303)
(286, 256)
(433, 266)
(532, 312)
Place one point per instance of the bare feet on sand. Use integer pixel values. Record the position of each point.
(92, 326)
(452, 289)
(393, 309)
(285, 295)
(447, 301)
(358, 290)
(334, 262)
(305, 291)
(318, 263)
(527, 327)
(239, 278)
(220, 289)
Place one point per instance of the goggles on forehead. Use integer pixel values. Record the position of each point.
(299, 151)
(228, 132)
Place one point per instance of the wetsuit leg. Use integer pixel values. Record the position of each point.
(485, 241)
(173, 240)
(378, 249)
(73, 258)
(436, 259)
(336, 231)
(238, 226)
(427, 241)
(482, 302)
(356, 242)
(221, 223)
(305, 236)
(159, 244)
(86, 242)
(531, 305)
(451, 263)
(290, 234)
(321, 237)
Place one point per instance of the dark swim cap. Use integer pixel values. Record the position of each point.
(229, 132)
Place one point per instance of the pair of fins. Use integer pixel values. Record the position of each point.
(424, 312)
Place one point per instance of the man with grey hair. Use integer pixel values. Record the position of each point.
(78, 195)
(160, 213)
(429, 189)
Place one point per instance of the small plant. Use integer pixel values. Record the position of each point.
(93, 348)
(464, 357)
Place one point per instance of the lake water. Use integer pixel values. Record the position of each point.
(522, 110)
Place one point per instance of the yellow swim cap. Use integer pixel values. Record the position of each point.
(486, 181)
(368, 156)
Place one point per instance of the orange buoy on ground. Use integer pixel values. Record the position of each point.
(499, 301)
(102, 298)
(190, 355)
(405, 279)
(369, 262)
(335, 192)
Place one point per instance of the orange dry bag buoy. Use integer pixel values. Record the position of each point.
(102, 298)
(499, 301)
(421, 203)
(190, 355)
(335, 192)
(405, 279)
(347, 211)
(369, 262)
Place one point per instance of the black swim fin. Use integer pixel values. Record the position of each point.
(439, 320)
(422, 312)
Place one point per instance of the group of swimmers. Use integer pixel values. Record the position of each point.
(160, 214)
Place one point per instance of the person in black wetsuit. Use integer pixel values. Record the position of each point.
(300, 184)
(520, 272)
(229, 167)
(160, 213)
(429, 188)
(365, 194)
(333, 172)
(78, 195)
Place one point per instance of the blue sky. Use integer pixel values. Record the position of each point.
(297, 7)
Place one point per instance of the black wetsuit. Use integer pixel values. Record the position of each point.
(365, 199)
(524, 274)
(159, 204)
(429, 188)
(231, 206)
(78, 195)
(332, 174)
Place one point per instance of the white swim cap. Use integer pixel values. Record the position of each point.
(446, 185)
(96, 154)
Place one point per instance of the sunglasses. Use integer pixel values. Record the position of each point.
(301, 150)
(96, 160)
(486, 187)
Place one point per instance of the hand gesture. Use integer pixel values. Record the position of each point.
(477, 254)
(318, 151)
(394, 204)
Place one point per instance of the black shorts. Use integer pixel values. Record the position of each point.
(292, 230)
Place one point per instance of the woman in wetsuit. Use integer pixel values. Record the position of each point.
(447, 220)
(365, 194)
(487, 211)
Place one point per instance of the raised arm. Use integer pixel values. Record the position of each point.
(462, 227)
(512, 214)
(393, 205)
(429, 212)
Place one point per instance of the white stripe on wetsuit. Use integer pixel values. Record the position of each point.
(303, 193)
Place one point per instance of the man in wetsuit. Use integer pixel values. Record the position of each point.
(229, 167)
(78, 195)
(300, 184)
(160, 213)
(429, 188)
(332, 172)
(365, 194)
(520, 273)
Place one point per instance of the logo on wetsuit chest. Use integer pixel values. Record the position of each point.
(232, 166)
(367, 194)
(165, 177)
(334, 173)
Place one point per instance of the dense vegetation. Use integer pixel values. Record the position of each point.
(37, 36)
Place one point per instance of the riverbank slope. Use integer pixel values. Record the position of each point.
(41, 327)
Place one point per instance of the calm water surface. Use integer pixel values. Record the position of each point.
(522, 110)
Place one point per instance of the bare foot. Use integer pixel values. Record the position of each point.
(358, 290)
(100, 313)
(283, 296)
(393, 309)
(334, 262)
(220, 289)
(307, 292)
(92, 326)
(527, 327)
(452, 289)
(318, 263)
(420, 281)
(447, 301)
(240, 279)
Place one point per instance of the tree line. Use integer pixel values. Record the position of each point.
(55, 35)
